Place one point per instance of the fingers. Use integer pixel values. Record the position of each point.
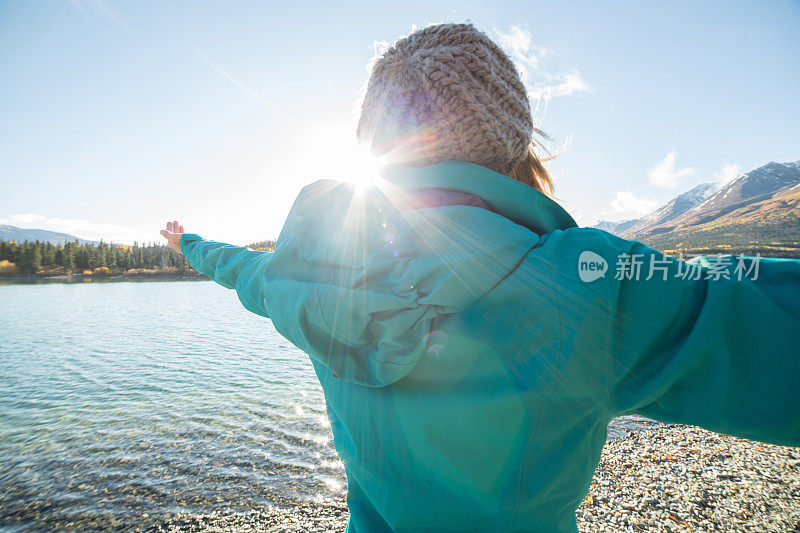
(170, 239)
(173, 239)
(173, 234)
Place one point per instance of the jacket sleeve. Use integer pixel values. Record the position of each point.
(713, 343)
(233, 267)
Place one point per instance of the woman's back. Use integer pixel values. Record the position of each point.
(445, 381)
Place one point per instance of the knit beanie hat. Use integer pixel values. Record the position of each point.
(447, 92)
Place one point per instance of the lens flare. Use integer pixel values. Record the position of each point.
(335, 154)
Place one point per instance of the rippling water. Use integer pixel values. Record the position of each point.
(122, 403)
(120, 399)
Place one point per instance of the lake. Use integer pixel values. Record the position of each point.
(123, 403)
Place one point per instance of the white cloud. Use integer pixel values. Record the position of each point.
(529, 58)
(572, 82)
(728, 172)
(627, 205)
(517, 42)
(81, 228)
(666, 174)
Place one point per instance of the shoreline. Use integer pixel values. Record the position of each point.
(669, 478)
(29, 279)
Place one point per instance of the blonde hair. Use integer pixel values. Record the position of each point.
(531, 171)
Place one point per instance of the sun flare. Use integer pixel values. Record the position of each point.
(364, 168)
(337, 155)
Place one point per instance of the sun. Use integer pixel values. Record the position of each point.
(365, 168)
(337, 155)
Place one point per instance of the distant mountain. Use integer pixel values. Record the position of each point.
(13, 233)
(669, 211)
(755, 185)
(672, 209)
(758, 210)
(615, 227)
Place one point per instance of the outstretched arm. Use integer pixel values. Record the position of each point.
(233, 267)
(721, 352)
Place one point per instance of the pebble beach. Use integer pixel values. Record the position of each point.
(670, 478)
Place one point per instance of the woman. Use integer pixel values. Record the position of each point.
(472, 342)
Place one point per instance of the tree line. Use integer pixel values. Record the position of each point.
(263, 246)
(73, 257)
(35, 257)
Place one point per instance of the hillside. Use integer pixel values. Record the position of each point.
(13, 233)
(770, 226)
(758, 212)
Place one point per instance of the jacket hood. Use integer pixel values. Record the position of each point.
(367, 271)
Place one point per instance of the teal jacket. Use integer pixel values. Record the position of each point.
(471, 358)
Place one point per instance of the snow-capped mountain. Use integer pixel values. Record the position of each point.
(760, 208)
(674, 208)
(756, 184)
(669, 211)
(615, 227)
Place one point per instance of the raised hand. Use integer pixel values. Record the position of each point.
(173, 235)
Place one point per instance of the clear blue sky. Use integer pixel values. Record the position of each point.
(115, 116)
